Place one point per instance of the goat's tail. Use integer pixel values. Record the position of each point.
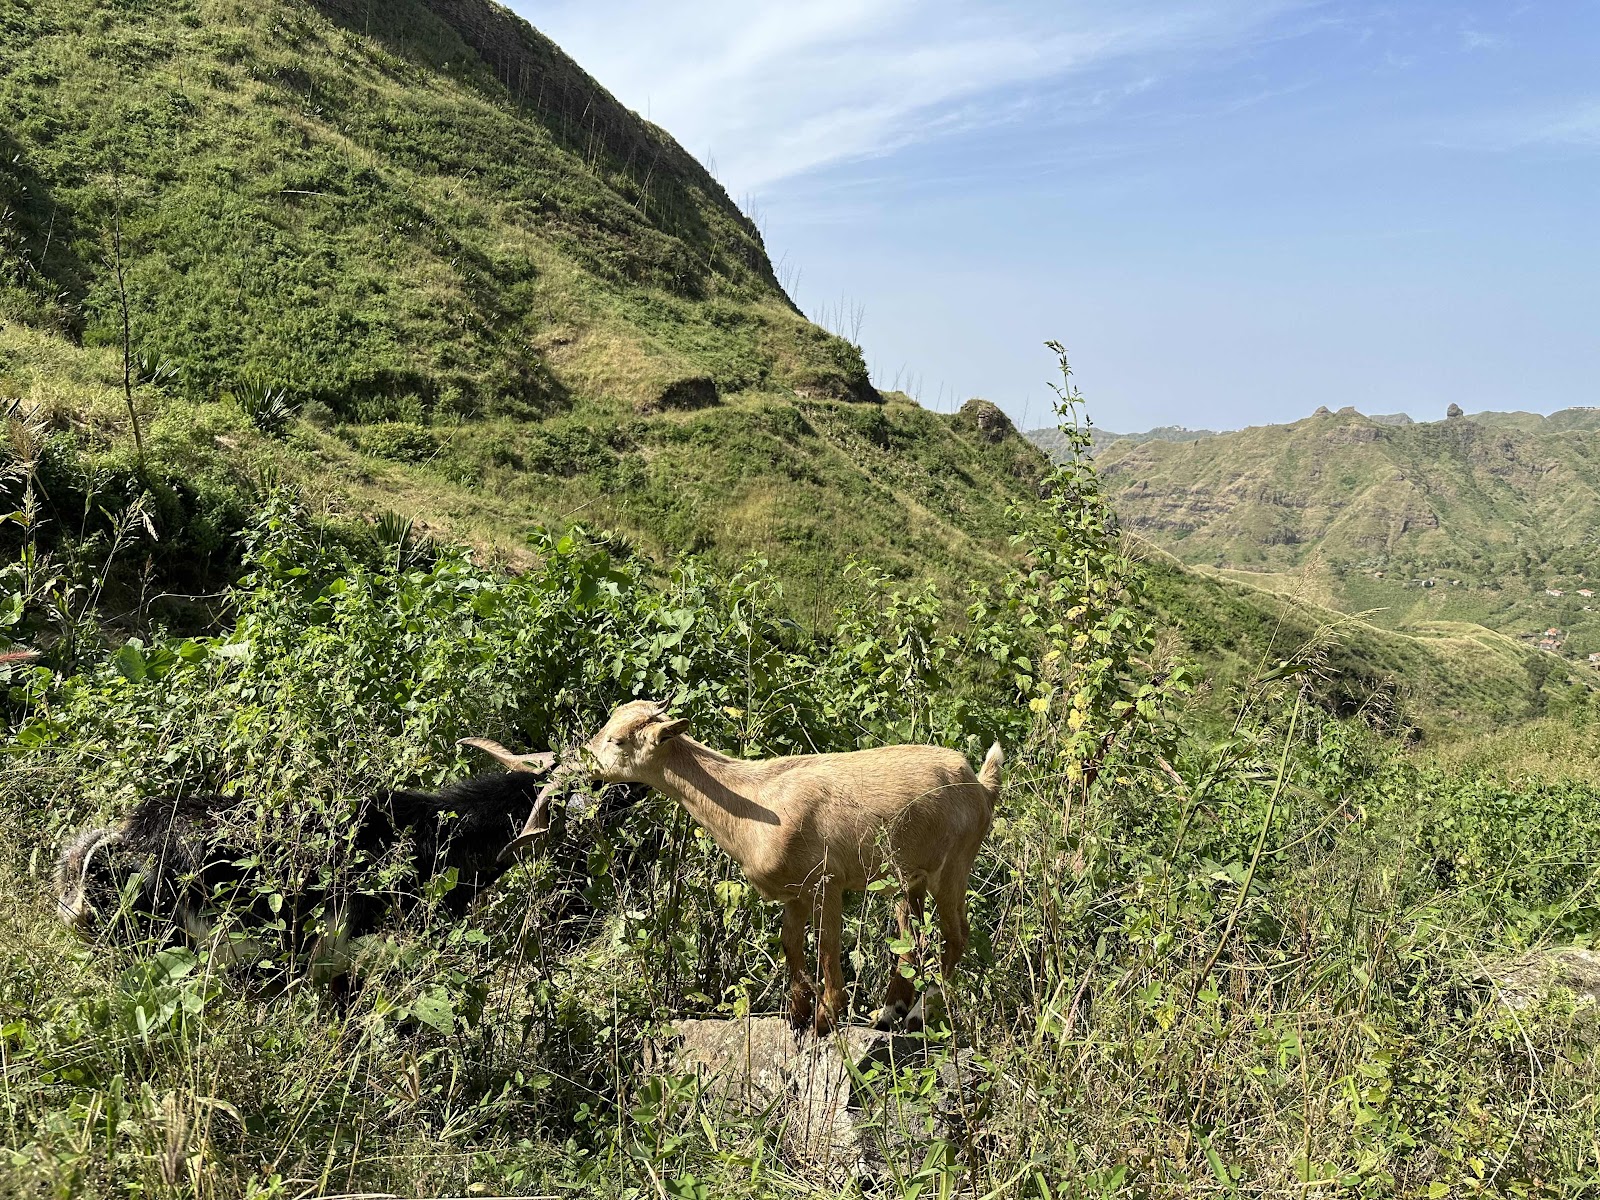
(989, 773)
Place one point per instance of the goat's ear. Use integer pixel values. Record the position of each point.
(669, 729)
(535, 763)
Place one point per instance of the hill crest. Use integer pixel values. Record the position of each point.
(1579, 418)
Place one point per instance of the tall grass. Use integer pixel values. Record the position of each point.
(1248, 960)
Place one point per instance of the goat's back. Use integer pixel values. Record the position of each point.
(919, 806)
(464, 826)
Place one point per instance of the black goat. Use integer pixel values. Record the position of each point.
(173, 867)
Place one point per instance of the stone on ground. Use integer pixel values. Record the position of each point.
(1526, 980)
(842, 1104)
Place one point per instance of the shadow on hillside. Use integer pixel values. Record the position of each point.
(40, 242)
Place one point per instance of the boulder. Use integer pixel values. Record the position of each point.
(844, 1104)
(1526, 980)
(689, 392)
(986, 419)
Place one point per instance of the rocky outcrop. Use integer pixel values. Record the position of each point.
(690, 392)
(1528, 979)
(845, 1105)
(986, 419)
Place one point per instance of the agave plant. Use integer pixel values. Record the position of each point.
(268, 407)
(400, 534)
(158, 373)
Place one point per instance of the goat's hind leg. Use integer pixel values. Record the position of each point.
(902, 991)
(802, 992)
(954, 932)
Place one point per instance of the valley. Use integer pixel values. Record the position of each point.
(375, 382)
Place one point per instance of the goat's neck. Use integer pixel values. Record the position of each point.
(718, 793)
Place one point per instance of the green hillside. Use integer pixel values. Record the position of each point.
(1440, 678)
(1450, 493)
(411, 210)
(412, 261)
(409, 257)
(1456, 520)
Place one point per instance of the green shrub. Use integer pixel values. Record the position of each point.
(1248, 960)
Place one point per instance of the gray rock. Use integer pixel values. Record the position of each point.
(843, 1104)
(1528, 979)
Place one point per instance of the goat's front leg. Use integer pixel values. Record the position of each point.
(802, 992)
(831, 967)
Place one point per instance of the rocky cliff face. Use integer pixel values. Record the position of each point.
(1354, 489)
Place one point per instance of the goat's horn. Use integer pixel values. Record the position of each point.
(536, 763)
(538, 822)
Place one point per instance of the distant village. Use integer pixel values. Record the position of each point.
(1554, 640)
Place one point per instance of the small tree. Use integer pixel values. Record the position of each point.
(1102, 688)
(127, 324)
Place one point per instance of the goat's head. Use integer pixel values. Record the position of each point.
(631, 742)
(94, 875)
(623, 751)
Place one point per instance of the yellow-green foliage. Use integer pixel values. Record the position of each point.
(1252, 966)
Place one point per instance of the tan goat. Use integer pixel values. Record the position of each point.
(808, 828)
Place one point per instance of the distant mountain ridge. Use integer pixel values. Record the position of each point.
(1492, 518)
(1048, 438)
(1448, 491)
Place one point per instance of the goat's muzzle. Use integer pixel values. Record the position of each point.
(74, 916)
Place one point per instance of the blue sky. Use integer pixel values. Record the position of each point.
(1231, 211)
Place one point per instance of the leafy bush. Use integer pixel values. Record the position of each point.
(398, 441)
(1246, 959)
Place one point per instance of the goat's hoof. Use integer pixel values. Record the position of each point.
(927, 1013)
(888, 1017)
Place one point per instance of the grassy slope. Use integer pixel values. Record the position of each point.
(1443, 678)
(501, 298)
(354, 206)
(482, 280)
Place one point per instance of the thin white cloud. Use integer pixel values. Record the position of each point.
(772, 89)
(1575, 125)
